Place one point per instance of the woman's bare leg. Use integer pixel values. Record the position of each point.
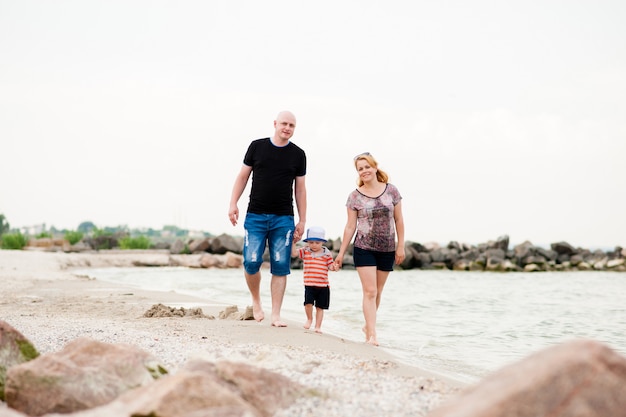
(381, 280)
(367, 274)
(373, 283)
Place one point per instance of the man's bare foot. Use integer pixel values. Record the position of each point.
(307, 324)
(279, 323)
(257, 312)
(318, 330)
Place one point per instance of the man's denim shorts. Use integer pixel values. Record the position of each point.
(275, 230)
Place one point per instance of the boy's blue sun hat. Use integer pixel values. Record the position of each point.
(315, 234)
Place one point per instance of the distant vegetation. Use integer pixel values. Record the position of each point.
(73, 236)
(139, 242)
(4, 225)
(105, 237)
(13, 240)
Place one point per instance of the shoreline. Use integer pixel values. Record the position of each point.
(50, 305)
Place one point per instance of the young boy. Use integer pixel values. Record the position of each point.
(318, 260)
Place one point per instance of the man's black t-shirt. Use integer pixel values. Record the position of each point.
(274, 169)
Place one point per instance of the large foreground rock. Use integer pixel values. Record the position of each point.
(199, 389)
(575, 379)
(85, 374)
(15, 349)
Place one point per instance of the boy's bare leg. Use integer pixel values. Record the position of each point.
(278, 285)
(254, 285)
(319, 316)
(308, 309)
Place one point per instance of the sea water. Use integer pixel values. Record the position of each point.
(460, 324)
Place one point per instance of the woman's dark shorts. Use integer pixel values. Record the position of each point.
(318, 296)
(383, 261)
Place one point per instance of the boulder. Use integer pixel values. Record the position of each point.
(531, 268)
(523, 250)
(549, 254)
(417, 246)
(501, 243)
(423, 259)
(208, 260)
(431, 246)
(177, 247)
(85, 374)
(226, 243)
(199, 245)
(185, 394)
(265, 390)
(456, 246)
(578, 378)
(494, 264)
(200, 388)
(601, 264)
(471, 254)
(461, 265)
(233, 260)
(576, 259)
(15, 349)
(563, 248)
(188, 261)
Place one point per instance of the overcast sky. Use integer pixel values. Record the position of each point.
(491, 117)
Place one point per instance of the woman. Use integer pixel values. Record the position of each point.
(375, 214)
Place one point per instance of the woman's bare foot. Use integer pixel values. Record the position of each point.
(318, 330)
(372, 341)
(307, 324)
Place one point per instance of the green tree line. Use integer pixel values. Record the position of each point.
(128, 239)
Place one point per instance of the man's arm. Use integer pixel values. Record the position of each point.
(240, 184)
(300, 192)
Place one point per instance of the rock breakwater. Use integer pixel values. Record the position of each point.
(224, 251)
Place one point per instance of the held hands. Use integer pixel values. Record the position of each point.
(298, 232)
(338, 262)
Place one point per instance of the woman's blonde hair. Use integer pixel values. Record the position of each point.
(381, 175)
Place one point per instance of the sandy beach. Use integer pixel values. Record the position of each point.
(51, 305)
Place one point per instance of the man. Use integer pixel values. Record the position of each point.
(279, 168)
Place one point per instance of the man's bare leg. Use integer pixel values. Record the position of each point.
(278, 285)
(254, 285)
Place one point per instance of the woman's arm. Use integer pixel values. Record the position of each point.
(348, 233)
(399, 220)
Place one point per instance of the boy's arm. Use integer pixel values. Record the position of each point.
(294, 249)
(331, 264)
